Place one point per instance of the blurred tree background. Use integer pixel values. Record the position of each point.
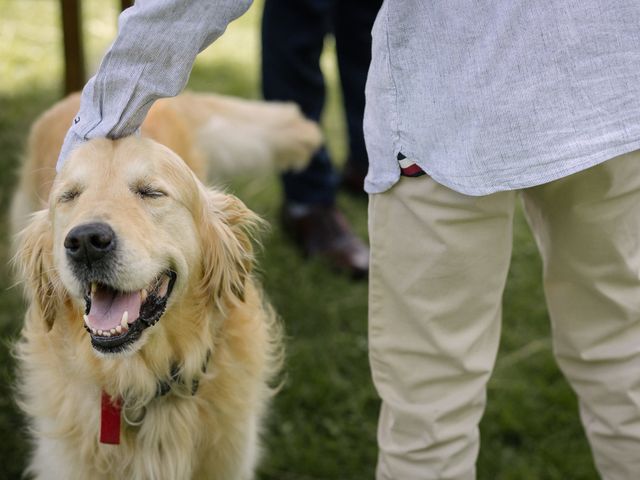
(323, 422)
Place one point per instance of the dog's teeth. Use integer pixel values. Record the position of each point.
(113, 331)
(163, 286)
(94, 287)
(94, 331)
(118, 329)
(143, 295)
(99, 332)
(107, 334)
(124, 322)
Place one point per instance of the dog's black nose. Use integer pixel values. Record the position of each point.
(90, 242)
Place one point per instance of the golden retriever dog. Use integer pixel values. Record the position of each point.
(148, 348)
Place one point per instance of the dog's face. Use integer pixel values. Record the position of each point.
(134, 233)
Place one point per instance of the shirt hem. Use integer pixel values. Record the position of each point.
(373, 186)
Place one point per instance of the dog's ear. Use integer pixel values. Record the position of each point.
(34, 265)
(228, 233)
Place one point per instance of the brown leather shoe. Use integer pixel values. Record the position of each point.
(325, 232)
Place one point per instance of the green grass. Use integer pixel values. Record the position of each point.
(323, 422)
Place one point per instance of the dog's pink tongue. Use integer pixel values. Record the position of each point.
(108, 307)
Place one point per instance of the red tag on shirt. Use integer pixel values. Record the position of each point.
(110, 419)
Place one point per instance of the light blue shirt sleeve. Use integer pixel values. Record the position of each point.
(151, 58)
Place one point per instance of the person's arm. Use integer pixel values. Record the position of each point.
(151, 58)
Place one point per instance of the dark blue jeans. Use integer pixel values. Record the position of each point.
(293, 34)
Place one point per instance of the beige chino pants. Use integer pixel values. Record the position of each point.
(438, 269)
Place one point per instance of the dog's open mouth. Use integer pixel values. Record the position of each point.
(116, 319)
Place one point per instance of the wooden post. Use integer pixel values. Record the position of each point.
(74, 69)
(74, 73)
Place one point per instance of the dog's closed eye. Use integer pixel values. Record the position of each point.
(144, 190)
(69, 195)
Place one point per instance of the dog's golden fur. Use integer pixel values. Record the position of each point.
(216, 306)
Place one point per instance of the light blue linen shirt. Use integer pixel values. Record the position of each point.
(483, 95)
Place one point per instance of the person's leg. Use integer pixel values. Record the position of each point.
(588, 230)
(439, 261)
(292, 39)
(352, 22)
